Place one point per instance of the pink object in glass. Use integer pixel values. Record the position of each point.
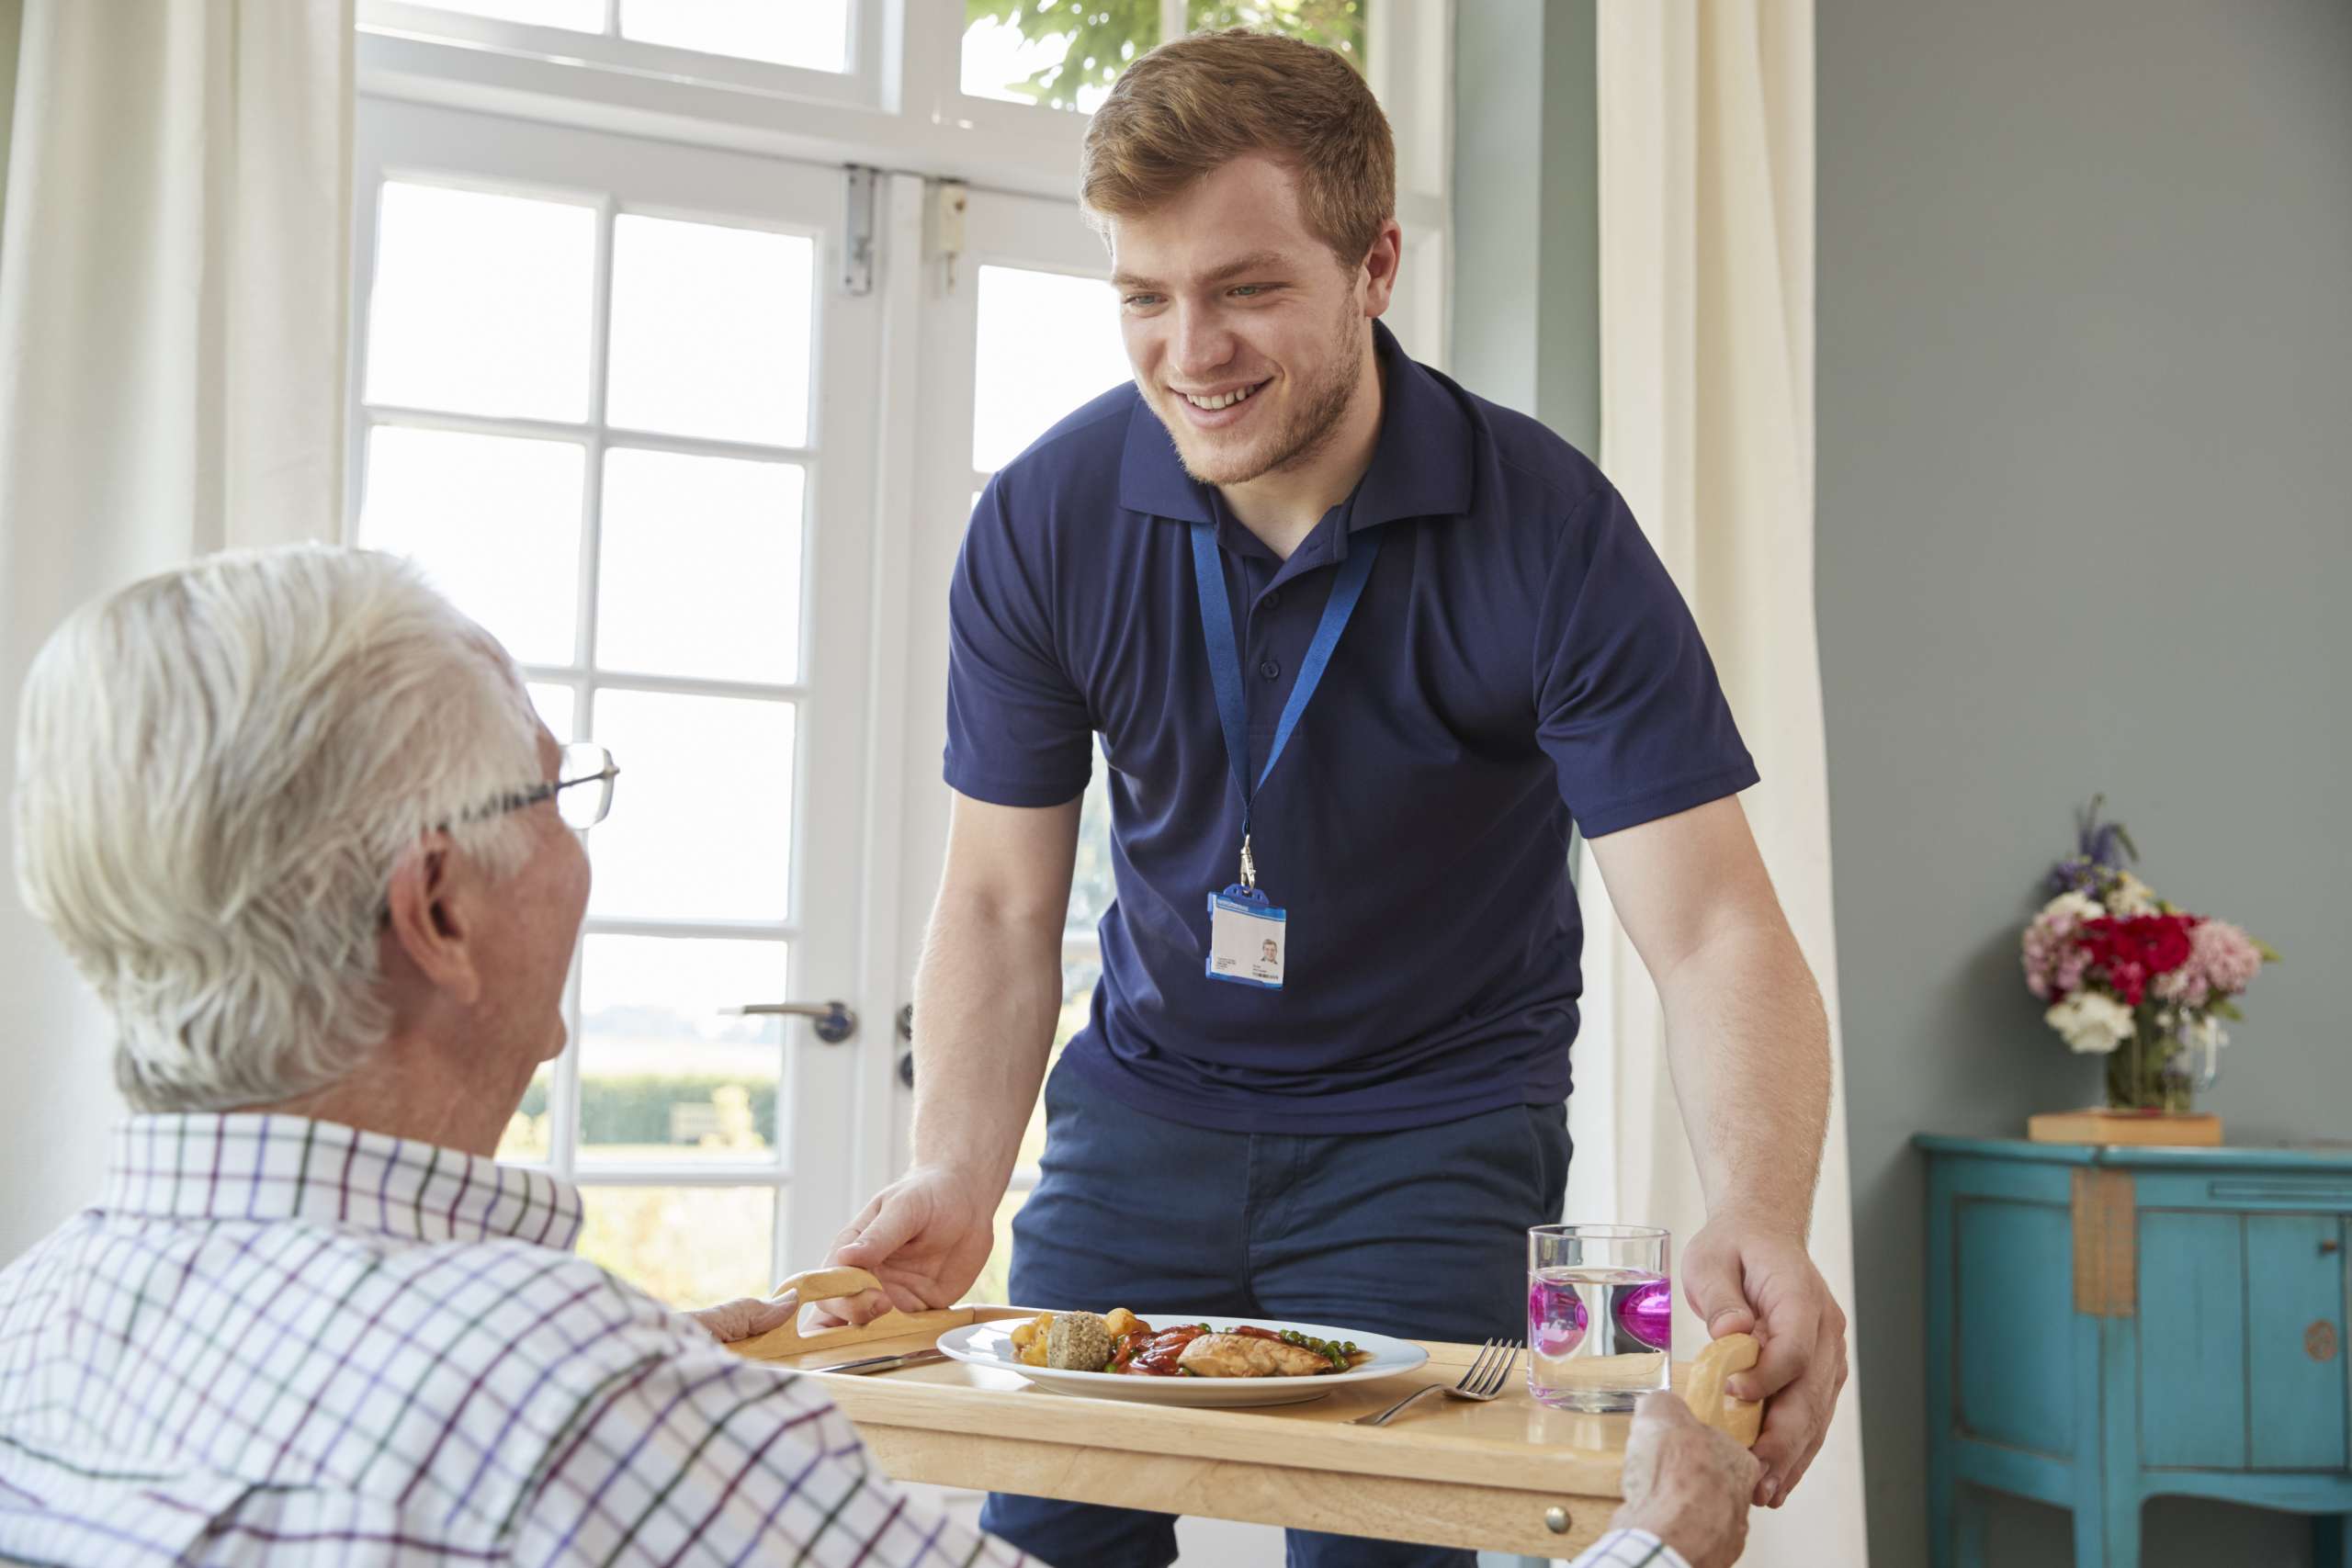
(1646, 1313)
(1555, 1317)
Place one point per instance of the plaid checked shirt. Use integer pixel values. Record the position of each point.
(276, 1339)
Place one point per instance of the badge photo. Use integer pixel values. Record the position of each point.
(1249, 941)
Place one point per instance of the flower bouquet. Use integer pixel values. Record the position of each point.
(2132, 977)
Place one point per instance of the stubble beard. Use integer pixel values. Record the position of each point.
(1312, 424)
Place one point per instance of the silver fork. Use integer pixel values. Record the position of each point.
(1480, 1384)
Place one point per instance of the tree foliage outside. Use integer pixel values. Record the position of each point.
(1100, 36)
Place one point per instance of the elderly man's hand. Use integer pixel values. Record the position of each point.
(1744, 1276)
(746, 1318)
(1686, 1484)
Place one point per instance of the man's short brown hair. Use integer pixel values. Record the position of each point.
(1190, 106)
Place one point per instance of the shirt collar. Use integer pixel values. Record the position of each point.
(1420, 466)
(263, 1167)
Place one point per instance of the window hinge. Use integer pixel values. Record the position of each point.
(948, 225)
(857, 230)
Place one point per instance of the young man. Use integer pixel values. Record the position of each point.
(1358, 645)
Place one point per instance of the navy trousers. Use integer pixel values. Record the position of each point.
(1419, 1233)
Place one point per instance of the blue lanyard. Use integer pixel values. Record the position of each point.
(1225, 660)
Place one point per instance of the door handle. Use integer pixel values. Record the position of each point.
(833, 1022)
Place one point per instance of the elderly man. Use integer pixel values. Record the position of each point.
(294, 819)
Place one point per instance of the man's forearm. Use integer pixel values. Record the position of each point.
(1749, 1044)
(987, 994)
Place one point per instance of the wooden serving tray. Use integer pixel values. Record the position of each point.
(1510, 1475)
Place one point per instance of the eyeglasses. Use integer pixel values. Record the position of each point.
(581, 762)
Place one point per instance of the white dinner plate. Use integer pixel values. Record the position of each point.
(990, 1345)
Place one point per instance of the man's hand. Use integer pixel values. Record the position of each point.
(747, 1318)
(1744, 1277)
(1686, 1484)
(925, 1237)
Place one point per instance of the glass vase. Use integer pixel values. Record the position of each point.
(2160, 1068)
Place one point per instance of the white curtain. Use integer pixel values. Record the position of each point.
(1706, 368)
(174, 277)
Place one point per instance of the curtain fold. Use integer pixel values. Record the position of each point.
(174, 283)
(1706, 203)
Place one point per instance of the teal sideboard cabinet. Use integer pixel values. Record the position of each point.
(2109, 1324)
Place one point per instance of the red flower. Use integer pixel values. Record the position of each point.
(2131, 953)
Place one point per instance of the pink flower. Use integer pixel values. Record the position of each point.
(2053, 963)
(2225, 955)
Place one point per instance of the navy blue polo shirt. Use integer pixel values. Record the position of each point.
(1520, 657)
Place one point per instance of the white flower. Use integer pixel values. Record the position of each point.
(2073, 909)
(2091, 1022)
(2131, 898)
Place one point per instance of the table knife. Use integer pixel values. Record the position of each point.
(883, 1363)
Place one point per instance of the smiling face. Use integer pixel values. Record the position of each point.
(1248, 338)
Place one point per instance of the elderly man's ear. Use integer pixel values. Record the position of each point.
(432, 919)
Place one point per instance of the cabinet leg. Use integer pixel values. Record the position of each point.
(2107, 1533)
(2332, 1540)
(1956, 1524)
(1968, 1528)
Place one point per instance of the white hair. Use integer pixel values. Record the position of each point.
(217, 771)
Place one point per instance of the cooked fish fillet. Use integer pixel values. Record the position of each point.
(1247, 1356)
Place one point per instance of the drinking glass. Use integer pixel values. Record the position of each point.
(1599, 1315)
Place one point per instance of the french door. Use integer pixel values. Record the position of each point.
(611, 394)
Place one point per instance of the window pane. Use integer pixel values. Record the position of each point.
(664, 1073)
(812, 34)
(1047, 343)
(701, 569)
(529, 1132)
(493, 520)
(1030, 54)
(702, 813)
(711, 331)
(579, 15)
(690, 1247)
(481, 303)
(1335, 24)
(556, 705)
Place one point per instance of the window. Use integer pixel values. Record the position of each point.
(1058, 56)
(593, 524)
(593, 425)
(812, 34)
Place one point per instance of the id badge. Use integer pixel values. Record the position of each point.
(1249, 939)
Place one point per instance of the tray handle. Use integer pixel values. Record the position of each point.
(1738, 1419)
(788, 1341)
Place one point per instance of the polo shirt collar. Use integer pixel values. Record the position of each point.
(1420, 467)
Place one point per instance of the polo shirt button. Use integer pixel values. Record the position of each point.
(1273, 601)
(1270, 670)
